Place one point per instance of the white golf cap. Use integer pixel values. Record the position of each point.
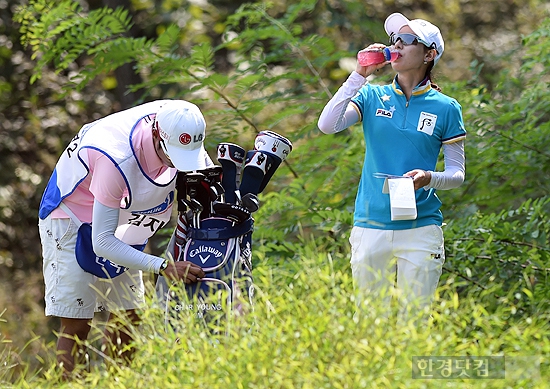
(182, 128)
(421, 28)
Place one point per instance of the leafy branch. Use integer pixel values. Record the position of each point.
(59, 33)
(294, 45)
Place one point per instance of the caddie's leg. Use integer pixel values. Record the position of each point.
(69, 293)
(118, 334)
(373, 267)
(122, 296)
(421, 255)
(69, 348)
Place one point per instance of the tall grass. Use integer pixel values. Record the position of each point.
(303, 333)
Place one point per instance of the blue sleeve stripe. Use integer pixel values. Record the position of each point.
(358, 109)
(454, 139)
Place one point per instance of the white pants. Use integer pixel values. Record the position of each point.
(410, 260)
(70, 291)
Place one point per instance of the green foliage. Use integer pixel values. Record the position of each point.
(276, 84)
(320, 201)
(59, 32)
(507, 161)
(303, 333)
(507, 253)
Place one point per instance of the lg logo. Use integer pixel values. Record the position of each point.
(185, 138)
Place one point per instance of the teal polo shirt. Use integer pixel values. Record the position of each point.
(400, 136)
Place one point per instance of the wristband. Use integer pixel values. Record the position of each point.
(163, 266)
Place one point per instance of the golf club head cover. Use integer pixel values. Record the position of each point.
(256, 165)
(194, 188)
(275, 145)
(231, 158)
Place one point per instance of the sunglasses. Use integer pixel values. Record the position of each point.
(409, 39)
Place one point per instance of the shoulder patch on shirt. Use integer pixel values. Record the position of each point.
(426, 123)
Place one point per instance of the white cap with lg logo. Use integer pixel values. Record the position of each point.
(182, 131)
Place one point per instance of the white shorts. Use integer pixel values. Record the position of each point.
(411, 260)
(70, 291)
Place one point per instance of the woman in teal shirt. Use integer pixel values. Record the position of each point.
(405, 124)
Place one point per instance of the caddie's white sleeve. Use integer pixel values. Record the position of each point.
(338, 114)
(106, 245)
(454, 173)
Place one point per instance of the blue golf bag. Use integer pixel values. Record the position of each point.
(222, 249)
(214, 231)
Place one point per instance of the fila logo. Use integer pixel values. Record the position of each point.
(384, 112)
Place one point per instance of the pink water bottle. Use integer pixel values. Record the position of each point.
(376, 56)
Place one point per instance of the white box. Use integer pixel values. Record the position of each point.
(402, 197)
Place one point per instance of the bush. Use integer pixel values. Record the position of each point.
(304, 333)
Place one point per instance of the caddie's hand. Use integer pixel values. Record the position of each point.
(421, 178)
(185, 271)
(366, 71)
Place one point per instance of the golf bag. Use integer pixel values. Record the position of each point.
(223, 251)
(216, 234)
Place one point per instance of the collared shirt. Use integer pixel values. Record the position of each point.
(402, 135)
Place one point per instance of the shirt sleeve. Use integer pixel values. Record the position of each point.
(455, 130)
(105, 244)
(454, 173)
(338, 114)
(107, 183)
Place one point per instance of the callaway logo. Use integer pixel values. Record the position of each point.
(271, 144)
(205, 249)
(260, 143)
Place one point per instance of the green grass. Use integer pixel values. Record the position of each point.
(303, 334)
